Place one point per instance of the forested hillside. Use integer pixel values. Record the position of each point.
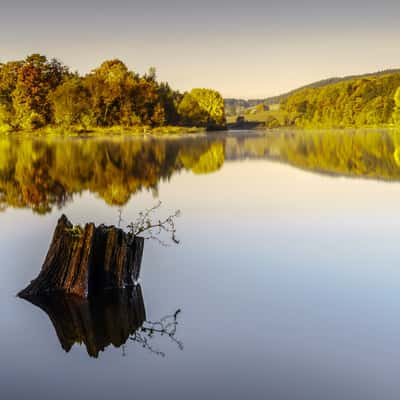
(325, 82)
(236, 106)
(370, 101)
(354, 103)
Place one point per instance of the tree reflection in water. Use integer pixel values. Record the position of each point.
(111, 318)
(42, 173)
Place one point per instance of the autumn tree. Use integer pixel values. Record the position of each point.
(37, 77)
(169, 99)
(111, 89)
(147, 102)
(8, 82)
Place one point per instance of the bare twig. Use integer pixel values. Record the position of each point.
(145, 226)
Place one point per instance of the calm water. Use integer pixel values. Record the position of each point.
(287, 276)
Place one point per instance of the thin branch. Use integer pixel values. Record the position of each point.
(145, 226)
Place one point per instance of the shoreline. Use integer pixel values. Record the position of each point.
(177, 132)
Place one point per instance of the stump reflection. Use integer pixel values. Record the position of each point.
(97, 322)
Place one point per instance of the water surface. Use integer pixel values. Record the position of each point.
(286, 278)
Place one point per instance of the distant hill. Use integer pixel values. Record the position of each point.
(237, 106)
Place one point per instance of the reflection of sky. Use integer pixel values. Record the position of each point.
(288, 281)
(257, 47)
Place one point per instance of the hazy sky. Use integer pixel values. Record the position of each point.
(248, 48)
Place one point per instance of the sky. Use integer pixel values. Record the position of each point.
(247, 49)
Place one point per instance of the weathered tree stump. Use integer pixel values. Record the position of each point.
(85, 261)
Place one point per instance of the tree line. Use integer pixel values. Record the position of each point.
(38, 92)
(370, 101)
(235, 107)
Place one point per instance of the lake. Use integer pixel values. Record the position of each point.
(285, 283)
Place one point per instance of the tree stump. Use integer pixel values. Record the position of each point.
(85, 261)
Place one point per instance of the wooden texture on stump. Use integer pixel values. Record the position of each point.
(85, 261)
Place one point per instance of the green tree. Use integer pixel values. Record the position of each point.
(190, 112)
(71, 104)
(396, 113)
(203, 107)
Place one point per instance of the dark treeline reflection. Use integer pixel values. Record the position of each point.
(111, 318)
(42, 173)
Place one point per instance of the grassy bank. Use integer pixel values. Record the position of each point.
(109, 131)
